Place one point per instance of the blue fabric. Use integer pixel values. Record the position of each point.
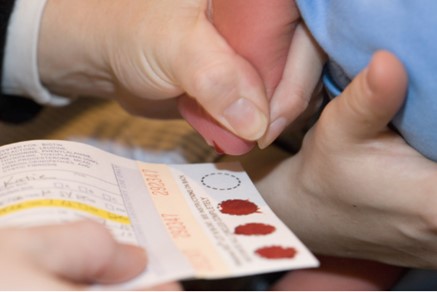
(351, 31)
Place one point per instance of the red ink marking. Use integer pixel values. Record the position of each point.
(254, 229)
(276, 252)
(217, 148)
(238, 207)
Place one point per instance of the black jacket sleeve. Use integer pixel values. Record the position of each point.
(13, 109)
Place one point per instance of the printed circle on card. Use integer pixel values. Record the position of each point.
(221, 181)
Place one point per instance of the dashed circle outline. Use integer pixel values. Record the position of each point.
(220, 173)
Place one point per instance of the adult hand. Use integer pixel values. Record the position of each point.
(65, 257)
(146, 53)
(356, 189)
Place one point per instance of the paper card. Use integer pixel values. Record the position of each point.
(203, 221)
(218, 220)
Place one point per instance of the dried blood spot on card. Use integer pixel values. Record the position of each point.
(238, 207)
(276, 252)
(254, 229)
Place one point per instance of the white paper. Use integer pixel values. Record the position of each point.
(194, 220)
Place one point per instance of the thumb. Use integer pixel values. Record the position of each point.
(84, 252)
(222, 82)
(224, 141)
(299, 82)
(368, 104)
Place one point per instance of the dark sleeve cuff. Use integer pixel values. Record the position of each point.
(16, 109)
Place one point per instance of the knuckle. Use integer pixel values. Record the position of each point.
(212, 79)
(95, 232)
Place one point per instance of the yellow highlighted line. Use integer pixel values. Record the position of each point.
(64, 204)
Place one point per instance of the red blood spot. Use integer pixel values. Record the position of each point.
(238, 207)
(254, 229)
(276, 252)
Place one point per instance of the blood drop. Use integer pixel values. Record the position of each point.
(276, 252)
(254, 229)
(238, 207)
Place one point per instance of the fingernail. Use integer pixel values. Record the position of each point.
(274, 130)
(370, 81)
(246, 119)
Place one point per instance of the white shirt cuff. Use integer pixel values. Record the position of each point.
(20, 69)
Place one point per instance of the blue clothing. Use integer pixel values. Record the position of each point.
(351, 31)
